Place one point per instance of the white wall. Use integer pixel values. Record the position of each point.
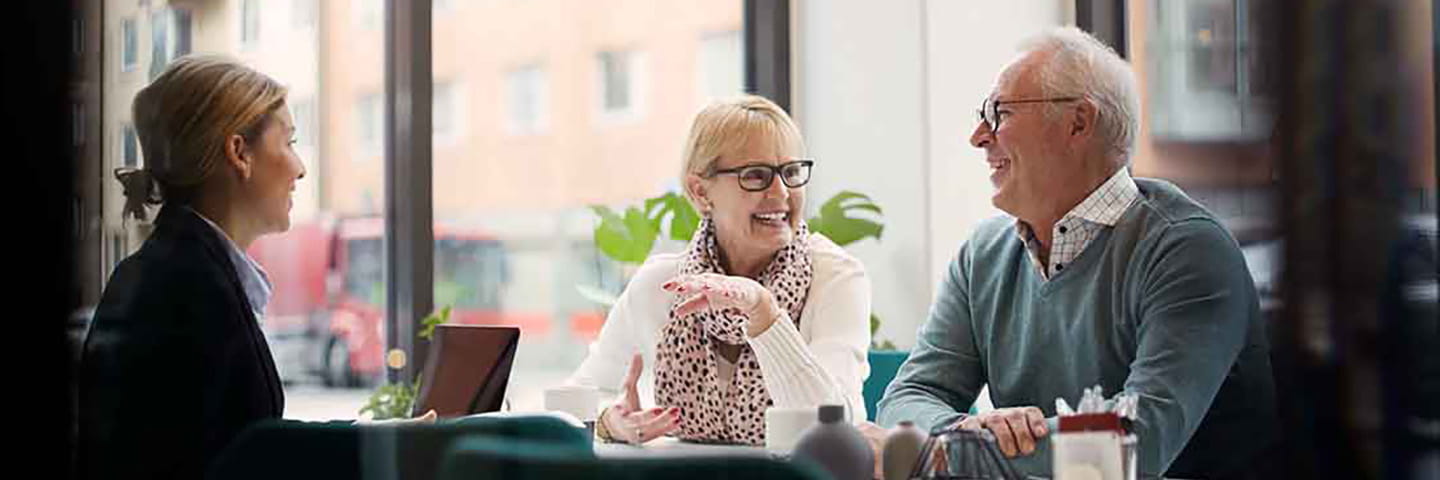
(885, 93)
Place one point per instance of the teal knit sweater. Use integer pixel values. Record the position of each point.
(1160, 305)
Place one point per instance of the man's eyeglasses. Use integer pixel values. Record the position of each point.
(990, 110)
(758, 176)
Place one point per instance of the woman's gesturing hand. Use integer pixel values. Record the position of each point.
(715, 292)
(626, 422)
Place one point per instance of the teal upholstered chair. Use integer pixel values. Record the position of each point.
(482, 458)
(302, 450)
(884, 364)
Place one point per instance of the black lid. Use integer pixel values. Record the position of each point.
(832, 413)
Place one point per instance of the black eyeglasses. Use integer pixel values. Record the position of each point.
(990, 110)
(758, 176)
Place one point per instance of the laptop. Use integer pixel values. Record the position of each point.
(467, 370)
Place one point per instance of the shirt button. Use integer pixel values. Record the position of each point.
(1064, 229)
(1059, 267)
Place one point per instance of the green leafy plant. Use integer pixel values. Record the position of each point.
(396, 400)
(629, 236)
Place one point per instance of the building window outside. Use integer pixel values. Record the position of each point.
(303, 13)
(303, 111)
(720, 68)
(170, 37)
(129, 45)
(447, 112)
(129, 147)
(368, 13)
(249, 22)
(615, 69)
(1206, 73)
(159, 42)
(180, 26)
(526, 100)
(369, 123)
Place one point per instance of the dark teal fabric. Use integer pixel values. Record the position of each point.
(481, 458)
(342, 450)
(883, 365)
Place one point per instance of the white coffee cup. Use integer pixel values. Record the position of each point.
(783, 426)
(580, 401)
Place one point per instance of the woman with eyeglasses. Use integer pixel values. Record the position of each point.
(756, 312)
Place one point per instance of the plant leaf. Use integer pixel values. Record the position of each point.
(642, 233)
(683, 218)
(427, 326)
(626, 239)
(834, 220)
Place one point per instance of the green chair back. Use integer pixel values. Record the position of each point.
(481, 458)
(884, 364)
(282, 450)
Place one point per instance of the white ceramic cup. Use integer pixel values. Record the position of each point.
(582, 402)
(783, 426)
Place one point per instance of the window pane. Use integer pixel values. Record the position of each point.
(324, 322)
(129, 39)
(721, 65)
(615, 80)
(526, 100)
(129, 147)
(587, 103)
(249, 22)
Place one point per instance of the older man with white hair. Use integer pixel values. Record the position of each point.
(1093, 277)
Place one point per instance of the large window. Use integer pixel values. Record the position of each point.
(585, 103)
(335, 234)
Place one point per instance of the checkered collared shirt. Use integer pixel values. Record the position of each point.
(1078, 228)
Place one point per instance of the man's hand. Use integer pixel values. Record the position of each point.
(875, 436)
(1016, 429)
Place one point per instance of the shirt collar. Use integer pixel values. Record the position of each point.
(1103, 206)
(1108, 203)
(252, 276)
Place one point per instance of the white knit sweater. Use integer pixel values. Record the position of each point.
(821, 361)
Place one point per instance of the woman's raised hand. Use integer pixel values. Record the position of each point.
(625, 420)
(715, 292)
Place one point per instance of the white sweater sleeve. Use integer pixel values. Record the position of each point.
(628, 329)
(823, 361)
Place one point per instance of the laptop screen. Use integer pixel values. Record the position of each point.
(467, 370)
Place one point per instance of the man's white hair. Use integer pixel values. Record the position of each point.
(1081, 66)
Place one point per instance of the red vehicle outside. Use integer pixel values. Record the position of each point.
(326, 317)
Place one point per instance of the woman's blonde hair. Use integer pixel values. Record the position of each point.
(727, 126)
(183, 119)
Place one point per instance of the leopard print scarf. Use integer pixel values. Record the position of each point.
(686, 362)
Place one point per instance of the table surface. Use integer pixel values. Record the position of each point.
(673, 447)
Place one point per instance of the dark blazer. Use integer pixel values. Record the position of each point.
(175, 364)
